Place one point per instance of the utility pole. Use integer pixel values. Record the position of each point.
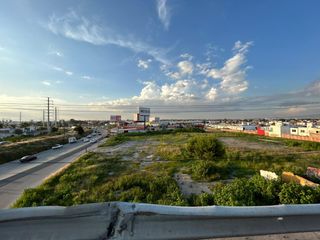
(43, 116)
(55, 116)
(48, 122)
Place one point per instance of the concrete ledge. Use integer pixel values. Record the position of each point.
(119, 220)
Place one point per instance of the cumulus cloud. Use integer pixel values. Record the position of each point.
(212, 94)
(69, 73)
(79, 28)
(144, 64)
(185, 67)
(164, 13)
(233, 73)
(199, 83)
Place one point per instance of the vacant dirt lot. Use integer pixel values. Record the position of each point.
(243, 144)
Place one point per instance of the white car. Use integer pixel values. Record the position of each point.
(93, 140)
(57, 146)
(85, 140)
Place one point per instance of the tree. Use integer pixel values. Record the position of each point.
(205, 148)
(79, 130)
(18, 131)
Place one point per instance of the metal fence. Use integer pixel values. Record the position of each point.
(119, 220)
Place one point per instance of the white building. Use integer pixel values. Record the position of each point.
(278, 129)
(154, 119)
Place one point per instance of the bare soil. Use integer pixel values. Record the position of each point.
(243, 144)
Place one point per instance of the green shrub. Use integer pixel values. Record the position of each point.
(203, 199)
(292, 193)
(205, 170)
(205, 148)
(247, 192)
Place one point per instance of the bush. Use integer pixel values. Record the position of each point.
(205, 148)
(247, 192)
(205, 170)
(292, 193)
(203, 199)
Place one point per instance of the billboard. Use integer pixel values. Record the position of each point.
(144, 111)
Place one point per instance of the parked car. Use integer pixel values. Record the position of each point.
(28, 158)
(85, 139)
(72, 140)
(57, 146)
(93, 140)
(3, 142)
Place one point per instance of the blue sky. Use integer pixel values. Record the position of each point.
(190, 58)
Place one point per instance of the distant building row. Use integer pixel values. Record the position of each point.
(275, 129)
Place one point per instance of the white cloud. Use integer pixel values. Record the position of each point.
(185, 67)
(144, 64)
(79, 28)
(164, 13)
(59, 69)
(47, 83)
(151, 91)
(186, 56)
(58, 82)
(233, 73)
(198, 83)
(86, 77)
(212, 94)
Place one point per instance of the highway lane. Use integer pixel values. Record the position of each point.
(12, 189)
(14, 167)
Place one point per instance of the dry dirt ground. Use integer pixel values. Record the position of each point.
(243, 144)
(137, 151)
(143, 152)
(188, 186)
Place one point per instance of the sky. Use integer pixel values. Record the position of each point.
(181, 58)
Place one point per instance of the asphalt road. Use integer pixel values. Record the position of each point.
(12, 187)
